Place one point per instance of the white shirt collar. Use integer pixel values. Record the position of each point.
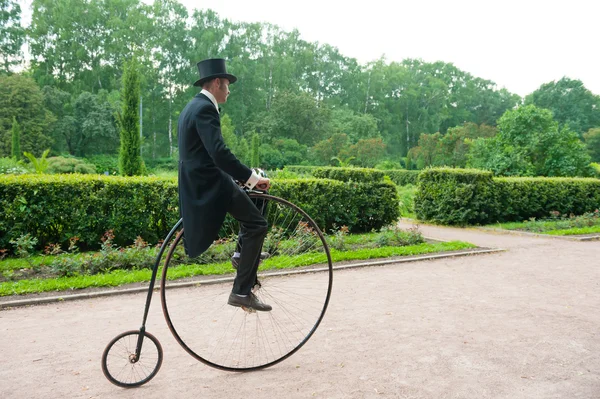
(211, 98)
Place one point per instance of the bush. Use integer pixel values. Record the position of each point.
(9, 166)
(360, 206)
(302, 170)
(455, 196)
(161, 164)
(361, 175)
(535, 197)
(403, 177)
(55, 208)
(468, 196)
(58, 165)
(105, 163)
(596, 167)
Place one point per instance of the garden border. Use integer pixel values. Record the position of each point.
(338, 266)
(574, 237)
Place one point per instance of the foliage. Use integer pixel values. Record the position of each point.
(403, 177)
(255, 154)
(388, 164)
(361, 175)
(104, 163)
(459, 196)
(119, 277)
(12, 35)
(596, 167)
(556, 222)
(455, 196)
(9, 166)
(592, 143)
(37, 165)
(21, 98)
(530, 143)
(69, 165)
(130, 158)
(570, 102)
(54, 208)
(16, 140)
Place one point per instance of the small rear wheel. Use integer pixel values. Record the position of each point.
(123, 367)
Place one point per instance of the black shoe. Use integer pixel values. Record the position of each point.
(235, 260)
(248, 301)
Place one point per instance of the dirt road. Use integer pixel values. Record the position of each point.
(522, 323)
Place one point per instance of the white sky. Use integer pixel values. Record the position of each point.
(519, 44)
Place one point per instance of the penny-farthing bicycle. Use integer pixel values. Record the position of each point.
(294, 276)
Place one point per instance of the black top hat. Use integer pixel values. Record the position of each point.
(211, 69)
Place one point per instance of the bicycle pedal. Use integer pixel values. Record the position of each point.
(248, 310)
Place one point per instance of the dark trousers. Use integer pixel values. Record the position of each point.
(253, 229)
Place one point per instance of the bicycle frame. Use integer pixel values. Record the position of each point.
(138, 348)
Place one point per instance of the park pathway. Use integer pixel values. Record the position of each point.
(522, 323)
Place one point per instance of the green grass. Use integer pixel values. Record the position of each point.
(574, 231)
(407, 197)
(588, 224)
(120, 277)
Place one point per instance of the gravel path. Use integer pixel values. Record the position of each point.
(516, 324)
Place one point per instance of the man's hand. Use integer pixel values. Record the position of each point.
(263, 184)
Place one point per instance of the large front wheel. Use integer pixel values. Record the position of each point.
(295, 278)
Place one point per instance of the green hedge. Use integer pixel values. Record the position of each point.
(361, 175)
(360, 206)
(455, 196)
(520, 198)
(402, 177)
(466, 197)
(301, 169)
(54, 208)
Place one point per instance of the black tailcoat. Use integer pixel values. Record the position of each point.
(206, 169)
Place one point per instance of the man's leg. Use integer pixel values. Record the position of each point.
(252, 233)
(261, 204)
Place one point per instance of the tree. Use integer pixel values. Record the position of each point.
(570, 102)
(20, 97)
(530, 143)
(16, 140)
(255, 155)
(296, 116)
(130, 159)
(368, 152)
(592, 143)
(12, 35)
(455, 144)
(325, 150)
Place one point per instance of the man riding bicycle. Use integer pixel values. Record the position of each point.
(207, 190)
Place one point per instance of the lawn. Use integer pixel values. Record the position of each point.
(117, 266)
(558, 225)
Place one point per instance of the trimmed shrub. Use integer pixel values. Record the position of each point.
(302, 170)
(521, 198)
(54, 208)
(104, 163)
(361, 175)
(58, 165)
(360, 206)
(455, 196)
(402, 177)
(469, 196)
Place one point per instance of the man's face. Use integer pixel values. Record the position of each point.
(221, 90)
